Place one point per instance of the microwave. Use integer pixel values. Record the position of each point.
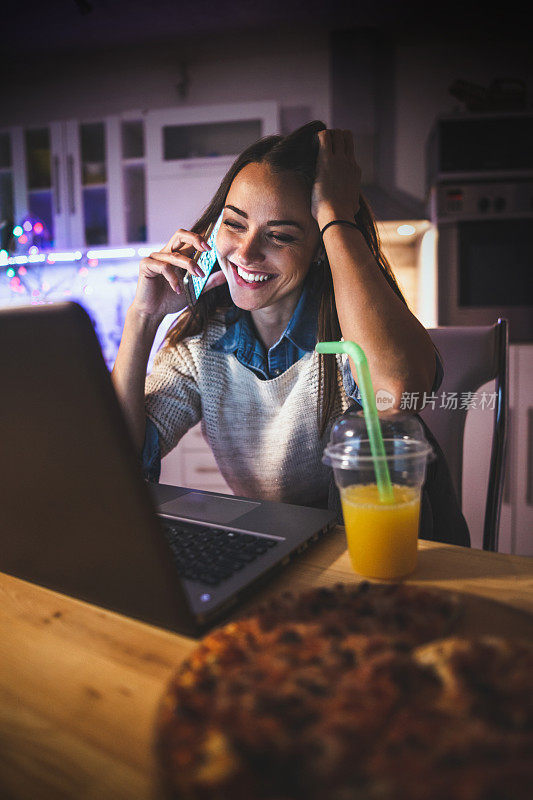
(468, 146)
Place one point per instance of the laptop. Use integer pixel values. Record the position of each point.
(77, 515)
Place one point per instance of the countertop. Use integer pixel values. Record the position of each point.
(80, 686)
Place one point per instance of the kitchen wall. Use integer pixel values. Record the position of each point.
(290, 69)
(423, 73)
(395, 90)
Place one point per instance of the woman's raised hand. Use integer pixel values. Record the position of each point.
(160, 285)
(338, 178)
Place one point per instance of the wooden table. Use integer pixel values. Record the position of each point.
(80, 686)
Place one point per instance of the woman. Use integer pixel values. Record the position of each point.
(300, 262)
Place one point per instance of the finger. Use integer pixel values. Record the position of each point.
(183, 237)
(337, 141)
(167, 271)
(325, 139)
(349, 144)
(174, 240)
(178, 260)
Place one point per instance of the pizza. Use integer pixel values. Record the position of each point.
(350, 693)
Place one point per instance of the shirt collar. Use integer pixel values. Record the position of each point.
(302, 327)
(301, 330)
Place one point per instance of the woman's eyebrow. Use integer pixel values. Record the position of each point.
(270, 221)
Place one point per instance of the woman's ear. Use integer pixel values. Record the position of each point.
(320, 254)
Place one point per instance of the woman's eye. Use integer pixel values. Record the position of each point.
(279, 237)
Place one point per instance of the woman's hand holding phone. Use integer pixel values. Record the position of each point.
(160, 285)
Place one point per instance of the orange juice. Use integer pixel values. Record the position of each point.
(382, 538)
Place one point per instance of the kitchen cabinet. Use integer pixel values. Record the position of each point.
(37, 179)
(84, 179)
(189, 150)
(193, 464)
(7, 188)
(128, 178)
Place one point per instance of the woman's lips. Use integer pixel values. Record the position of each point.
(248, 284)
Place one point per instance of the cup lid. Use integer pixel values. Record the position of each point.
(402, 433)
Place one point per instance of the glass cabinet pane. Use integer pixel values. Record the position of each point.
(132, 139)
(94, 182)
(92, 146)
(6, 192)
(6, 209)
(95, 215)
(134, 180)
(39, 178)
(135, 202)
(209, 139)
(5, 151)
(38, 159)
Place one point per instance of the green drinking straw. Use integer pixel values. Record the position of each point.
(370, 411)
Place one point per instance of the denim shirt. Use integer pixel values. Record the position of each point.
(241, 340)
(441, 518)
(298, 338)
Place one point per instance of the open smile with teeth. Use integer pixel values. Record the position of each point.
(252, 277)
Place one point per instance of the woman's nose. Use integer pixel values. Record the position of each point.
(249, 251)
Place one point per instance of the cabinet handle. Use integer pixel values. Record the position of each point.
(70, 181)
(529, 465)
(206, 469)
(57, 193)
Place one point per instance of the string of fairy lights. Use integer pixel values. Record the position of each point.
(27, 272)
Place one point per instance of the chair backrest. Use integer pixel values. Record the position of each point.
(471, 357)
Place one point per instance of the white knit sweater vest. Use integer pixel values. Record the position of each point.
(263, 433)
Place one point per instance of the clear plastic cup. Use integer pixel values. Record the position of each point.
(382, 536)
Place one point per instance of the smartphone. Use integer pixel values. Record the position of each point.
(206, 259)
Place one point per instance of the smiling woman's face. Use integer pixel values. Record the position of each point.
(267, 239)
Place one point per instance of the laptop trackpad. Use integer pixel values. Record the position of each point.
(206, 508)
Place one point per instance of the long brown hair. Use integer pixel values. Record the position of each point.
(296, 153)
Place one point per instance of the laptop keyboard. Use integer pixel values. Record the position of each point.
(212, 555)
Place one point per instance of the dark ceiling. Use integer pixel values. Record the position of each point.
(63, 25)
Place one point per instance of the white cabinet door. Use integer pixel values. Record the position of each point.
(107, 180)
(72, 159)
(88, 159)
(85, 179)
(7, 187)
(189, 150)
(192, 464)
(40, 182)
(178, 202)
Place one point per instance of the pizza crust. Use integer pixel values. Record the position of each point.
(350, 693)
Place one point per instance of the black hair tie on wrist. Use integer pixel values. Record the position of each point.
(339, 222)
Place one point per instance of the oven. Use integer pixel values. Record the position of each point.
(485, 254)
(479, 177)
